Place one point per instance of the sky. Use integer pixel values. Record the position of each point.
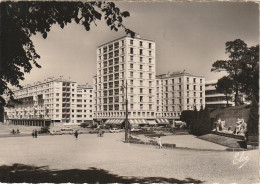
(188, 35)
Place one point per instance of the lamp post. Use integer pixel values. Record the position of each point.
(126, 111)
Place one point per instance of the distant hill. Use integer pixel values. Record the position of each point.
(231, 114)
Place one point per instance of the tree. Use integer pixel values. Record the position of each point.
(193, 126)
(236, 50)
(249, 76)
(187, 116)
(205, 124)
(20, 20)
(253, 121)
(225, 85)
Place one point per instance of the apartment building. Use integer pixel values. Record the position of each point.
(125, 63)
(214, 99)
(54, 100)
(178, 91)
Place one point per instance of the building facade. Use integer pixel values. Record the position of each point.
(177, 92)
(125, 63)
(55, 100)
(214, 99)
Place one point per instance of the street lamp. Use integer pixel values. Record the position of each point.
(126, 111)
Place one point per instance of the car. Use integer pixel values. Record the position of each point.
(66, 131)
(114, 130)
(93, 131)
(135, 129)
(56, 132)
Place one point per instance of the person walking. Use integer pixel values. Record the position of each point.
(35, 133)
(76, 134)
(159, 141)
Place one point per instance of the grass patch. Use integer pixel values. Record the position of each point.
(222, 140)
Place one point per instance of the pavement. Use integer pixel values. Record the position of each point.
(112, 158)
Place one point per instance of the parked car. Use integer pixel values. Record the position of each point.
(93, 131)
(135, 129)
(56, 132)
(66, 131)
(114, 130)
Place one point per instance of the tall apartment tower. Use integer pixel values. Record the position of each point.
(125, 61)
(54, 100)
(177, 92)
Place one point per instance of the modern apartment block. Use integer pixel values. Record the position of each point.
(214, 99)
(177, 92)
(125, 61)
(54, 100)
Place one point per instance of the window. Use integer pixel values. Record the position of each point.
(194, 80)
(141, 59)
(150, 91)
(194, 87)
(141, 67)
(188, 79)
(131, 42)
(131, 50)
(131, 58)
(141, 106)
(200, 94)
(131, 66)
(150, 45)
(141, 51)
(150, 60)
(201, 88)
(57, 94)
(141, 98)
(150, 53)
(141, 44)
(131, 74)
(200, 80)
(131, 82)
(188, 87)
(188, 100)
(141, 75)
(141, 83)
(150, 107)
(141, 90)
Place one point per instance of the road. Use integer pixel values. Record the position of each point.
(110, 154)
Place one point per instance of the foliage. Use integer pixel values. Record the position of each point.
(253, 121)
(225, 85)
(187, 117)
(201, 123)
(45, 130)
(205, 124)
(242, 68)
(84, 125)
(250, 73)
(20, 20)
(193, 129)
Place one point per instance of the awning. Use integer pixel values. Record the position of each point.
(114, 121)
(142, 121)
(163, 121)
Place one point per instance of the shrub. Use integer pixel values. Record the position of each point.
(45, 130)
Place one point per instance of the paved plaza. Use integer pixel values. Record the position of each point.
(117, 161)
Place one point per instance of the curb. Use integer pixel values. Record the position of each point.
(153, 143)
